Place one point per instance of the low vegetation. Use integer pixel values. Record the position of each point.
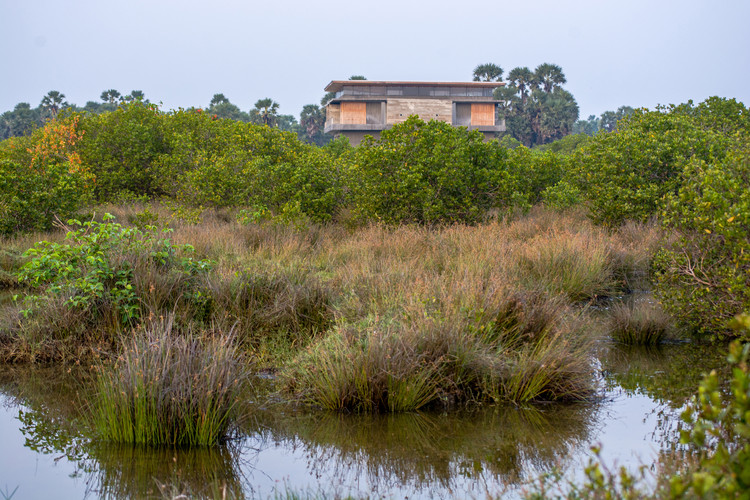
(386, 319)
(640, 322)
(423, 268)
(169, 388)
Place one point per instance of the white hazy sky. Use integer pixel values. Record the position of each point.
(181, 52)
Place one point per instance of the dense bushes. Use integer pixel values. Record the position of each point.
(42, 176)
(626, 173)
(687, 165)
(416, 172)
(224, 163)
(106, 277)
(704, 279)
(122, 149)
(427, 173)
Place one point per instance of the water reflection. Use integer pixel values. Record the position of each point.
(137, 472)
(496, 446)
(668, 374)
(466, 453)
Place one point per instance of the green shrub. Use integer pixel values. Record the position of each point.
(122, 149)
(427, 173)
(566, 145)
(725, 116)
(534, 172)
(704, 279)
(223, 163)
(720, 432)
(626, 173)
(97, 269)
(562, 195)
(306, 183)
(42, 177)
(169, 389)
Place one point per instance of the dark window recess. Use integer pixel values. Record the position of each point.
(463, 114)
(375, 113)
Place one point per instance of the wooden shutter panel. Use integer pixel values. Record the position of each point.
(353, 113)
(483, 114)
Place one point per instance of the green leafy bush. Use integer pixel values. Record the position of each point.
(704, 279)
(96, 270)
(626, 173)
(534, 172)
(562, 195)
(720, 432)
(42, 177)
(122, 148)
(427, 173)
(222, 163)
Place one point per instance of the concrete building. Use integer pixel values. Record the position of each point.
(365, 107)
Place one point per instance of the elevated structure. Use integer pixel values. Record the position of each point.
(365, 107)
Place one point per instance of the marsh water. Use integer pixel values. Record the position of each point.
(473, 452)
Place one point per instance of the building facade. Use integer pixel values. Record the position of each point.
(365, 107)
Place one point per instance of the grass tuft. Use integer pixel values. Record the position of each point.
(639, 322)
(407, 363)
(574, 264)
(169, 389)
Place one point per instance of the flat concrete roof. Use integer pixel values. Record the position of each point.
(337, 85)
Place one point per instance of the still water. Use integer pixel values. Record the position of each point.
(45, 452)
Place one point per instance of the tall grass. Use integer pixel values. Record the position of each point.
(406, 363)
(169, 389)
(386, 318)
(641, 322)
(575, 264)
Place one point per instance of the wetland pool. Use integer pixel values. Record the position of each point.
(468, 453)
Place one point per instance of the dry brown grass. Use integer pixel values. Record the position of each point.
(640, 322)
(494, 305)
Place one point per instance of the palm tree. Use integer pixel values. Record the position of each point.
(53, 101)
(110, 96)
(267, 111)
(218, 99)
(137, 95)
(550, 76)
(524, 80)
(488, 73)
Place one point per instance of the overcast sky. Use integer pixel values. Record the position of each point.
(181, 52)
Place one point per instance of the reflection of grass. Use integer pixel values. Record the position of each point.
(53, 423)
(7, 494)
(136, 472)
(422, 449)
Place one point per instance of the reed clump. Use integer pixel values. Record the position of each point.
(639, 322)
(169, 388)
(264, 302)
(410, 361)
(577, 264)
